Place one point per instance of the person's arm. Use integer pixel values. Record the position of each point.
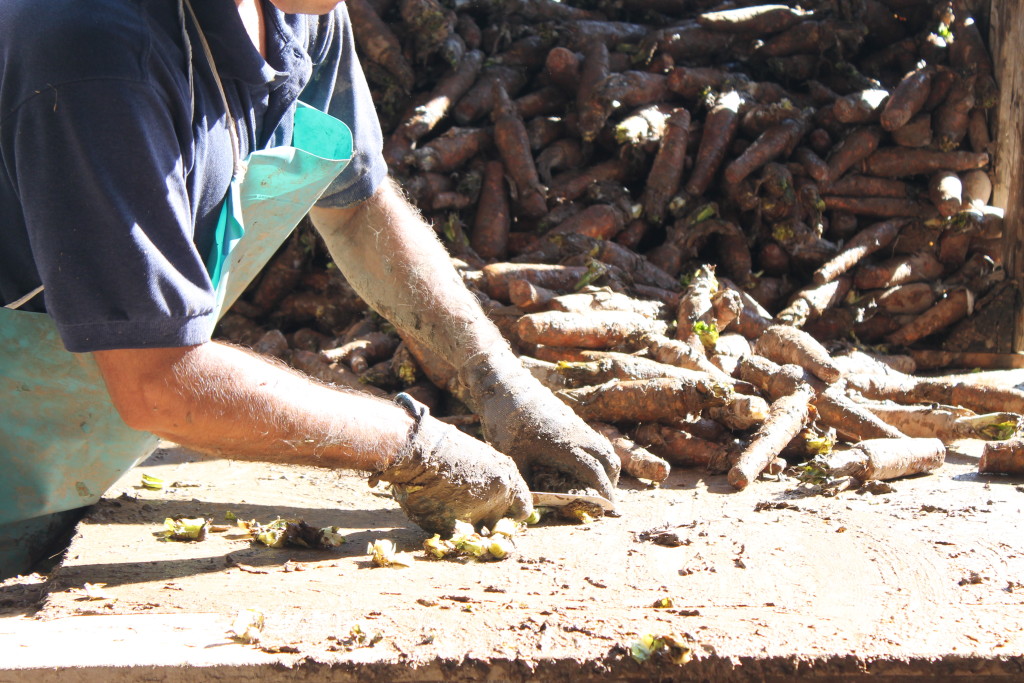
(224, 400)
(397, 265)
(395, 262)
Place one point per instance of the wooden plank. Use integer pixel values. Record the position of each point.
(1006, 35)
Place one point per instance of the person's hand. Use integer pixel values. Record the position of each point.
(443, 475)
(522, 418)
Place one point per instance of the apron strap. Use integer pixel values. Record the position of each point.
(187, 44)
(18, 303)
(236, 152)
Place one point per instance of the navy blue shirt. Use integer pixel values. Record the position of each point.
(112, 176)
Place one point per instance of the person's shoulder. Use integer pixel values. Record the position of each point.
(72, 40)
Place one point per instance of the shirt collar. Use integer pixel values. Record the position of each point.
(237, 58)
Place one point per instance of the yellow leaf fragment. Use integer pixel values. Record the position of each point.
(438, 547)
(671, 645)
(506, 526)
(152, 483)
(677, 648)
(94, 591)
(185, 528)
(383, 553)
(500, 547)
(643, 649)
(247, 626)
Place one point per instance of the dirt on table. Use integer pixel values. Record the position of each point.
(925, 575)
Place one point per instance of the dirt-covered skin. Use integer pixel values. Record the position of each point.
(443, 476)
(521, 418)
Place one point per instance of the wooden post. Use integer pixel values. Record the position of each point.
(1006, 38)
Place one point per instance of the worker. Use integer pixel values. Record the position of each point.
(155, 154)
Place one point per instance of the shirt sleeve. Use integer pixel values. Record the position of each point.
(101, 181)
(338, 86)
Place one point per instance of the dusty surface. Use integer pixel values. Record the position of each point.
(767, 581)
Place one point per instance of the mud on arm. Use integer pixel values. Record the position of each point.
(395, 262)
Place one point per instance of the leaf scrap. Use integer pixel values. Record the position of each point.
(293, 532)
(467, 543)
(383, 553)
(185, 529)
(94, 591)
(152, 483)
(670, 645)
(247, 626)
(581, 511)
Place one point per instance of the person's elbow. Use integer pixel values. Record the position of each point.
(139, 411)
(142, 384)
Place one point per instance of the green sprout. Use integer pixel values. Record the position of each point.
(595, 270)
(814, 471)
(707, 333)
(452, 230)
(1000, 431)
(704, 213)
(821, 445)
(782, 232)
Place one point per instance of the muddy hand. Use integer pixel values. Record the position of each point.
(522, 418)
(443, 475)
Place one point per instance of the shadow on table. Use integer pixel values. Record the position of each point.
(697, 478)
(130, 510)
(359, 526)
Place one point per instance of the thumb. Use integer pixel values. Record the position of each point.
(590, 471)
(604, 451)
(603, 484)
(521, 505)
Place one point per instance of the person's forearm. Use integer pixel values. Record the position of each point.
(397, 265)
(395, 262)
(225, 400)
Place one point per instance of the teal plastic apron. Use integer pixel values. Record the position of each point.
(62, 443)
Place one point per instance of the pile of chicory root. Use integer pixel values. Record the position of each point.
(729, 235)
